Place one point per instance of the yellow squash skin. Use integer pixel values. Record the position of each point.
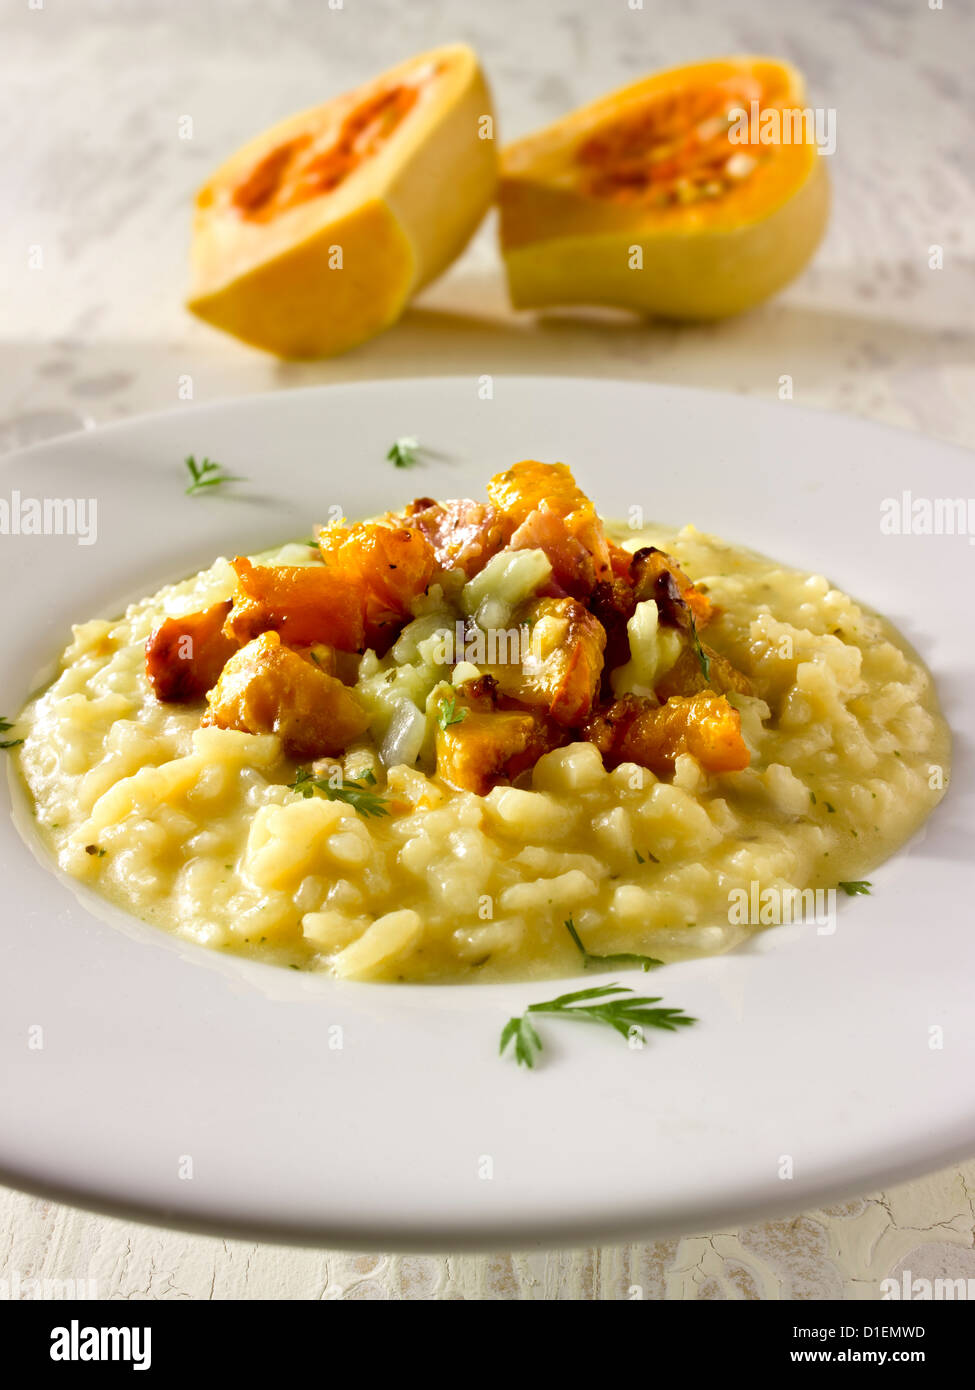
(705, 259)
(321, 273)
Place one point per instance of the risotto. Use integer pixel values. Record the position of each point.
(412, 749)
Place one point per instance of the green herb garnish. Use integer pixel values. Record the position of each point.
(403, 451)
(703, 660)
(617, 958)
(449, 714)
(354, 793)
(5, 724)
(206, 474)
(855, 886)
(621, 1014)
(647, 858)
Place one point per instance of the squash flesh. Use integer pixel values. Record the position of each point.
(314, 236)
(718, 225)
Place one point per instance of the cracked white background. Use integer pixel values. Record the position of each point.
(95, 174)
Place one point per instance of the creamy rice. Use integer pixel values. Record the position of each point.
(197, 831)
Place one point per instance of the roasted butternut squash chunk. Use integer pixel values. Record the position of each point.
(560, 673)
(490, 738)
(266, 688)
(359, 598)
(613, 603)
(184, 656)
(550, 512)
(387, 566)
(634, 729)
(658, 576)
(686, 676)
(487, 747)
(464, 534)
(304, 603)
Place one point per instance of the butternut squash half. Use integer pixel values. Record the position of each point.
(661, 198)
(315, 236)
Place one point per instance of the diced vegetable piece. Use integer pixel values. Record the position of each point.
(266, 688)
(653, 650)
(184, 656)
(358, 598)
(506, 580)
(613, 603)
(383, 687)
(304, 603)
(561, 670)
(464, 534)
(405, 736)
(551, 513)
(638, 730)
(658, 576)
(686, 676)
(414, 640)
(476, 752)
(387, 565)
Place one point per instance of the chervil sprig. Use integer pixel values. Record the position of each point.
(403, 451)
(703, 660)
(205, 474)
(622, 1014)
(617, 958)
(527, 1041)
(855, 886)
(356, 794)
(448, 713)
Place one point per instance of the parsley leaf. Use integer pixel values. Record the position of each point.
(354, 793)
(527, 1041)
(855, 886)
(449, 714)
(617, 958)
(703, 660)
(206, 474)
(622, 1014)
(403, 451)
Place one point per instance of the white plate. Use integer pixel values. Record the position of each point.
(415, 1134)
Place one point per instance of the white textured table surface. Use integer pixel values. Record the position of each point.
(95, 183)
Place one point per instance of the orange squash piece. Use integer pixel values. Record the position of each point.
(657, 575)
(266, 688)
(464, 534)
(388, 566)
(304, 603)
(686, 676)
(636, 730)
(184, 656)
(565, 660)
(550, 512)
(358, 598)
